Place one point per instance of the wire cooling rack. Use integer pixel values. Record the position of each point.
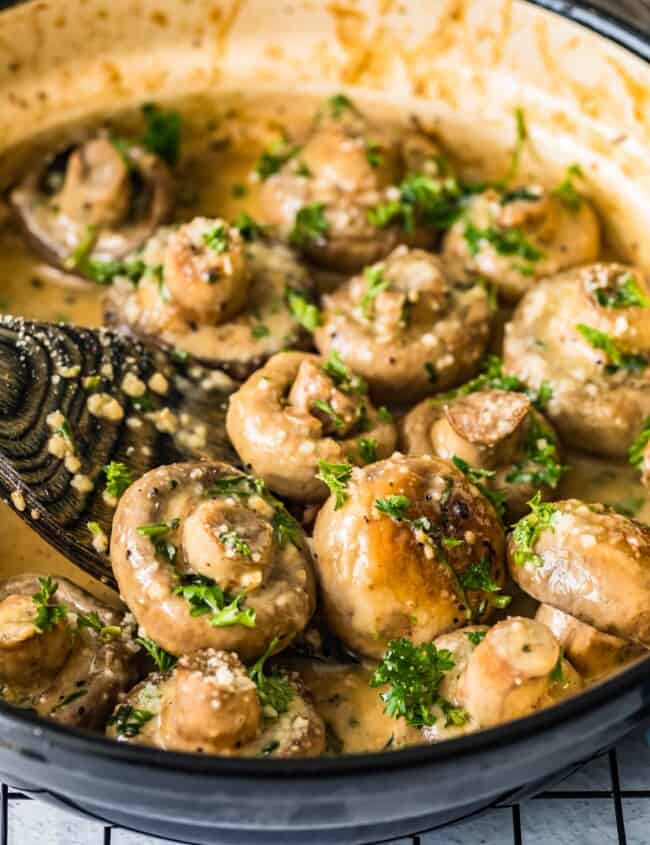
(605, 802)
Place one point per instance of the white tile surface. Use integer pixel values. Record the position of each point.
(491, 828)
(37, 823)
(575, 822)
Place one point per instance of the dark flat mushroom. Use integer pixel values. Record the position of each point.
(71, 401)
(93, 202)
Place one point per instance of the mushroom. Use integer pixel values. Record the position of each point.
(515, 237)
(587, 561)
(93, 202)
(594, 654)
(337, 196)
(405, 327)
(205, 558)
(62, 653)
(497, 432)
(308, 410)
(499, 674)
(407, 548)
(206, 290)
(208, 703)
(585, 334)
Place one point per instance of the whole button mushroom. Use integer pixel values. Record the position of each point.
(339, 196)
(587, 561)
(221, 293)
(406, 327)
(308, 410)
(94, 203)
(209, 703)
(497, 432)
(62, 653)
(515, 237)
(585, 334)
(406, 547)
(205, 558)
(594, 654)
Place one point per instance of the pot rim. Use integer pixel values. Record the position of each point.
(614, 29)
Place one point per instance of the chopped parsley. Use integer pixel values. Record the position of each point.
(394, 506)
(557, 673)
(105, 272)
(566, 191)
(477, 477)
(249, 229)
(368, 450)
(118, 478)
(336, 476)
(235, 543)
(518, 195)
(310, 225)
(205, 597)
(48, 613)
(413, 674)
(478, 576)
(505, 241)
(374, 154)
(66, 433)
(375, 284)
(285, 528)
(236, 485)
(625, 294)
(326, 408)
(275, 157)
(162, 134)
(79, 255)
(158, 529)
(423, 200)
(619, 360)
(260, 330)
(521, 136)
(303, 312)
(384, 414)
(475, 637)
(636, 450)
(528, 530)
(163, 659)
(338, 104)
(74, 696)
(93, 621)
(129, 720)
(338, 371)
(540, 448)
(238, 190)
(217, 239)
(273, 690)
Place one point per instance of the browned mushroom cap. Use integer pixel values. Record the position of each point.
(496, 431)
(209, 704)
(595, 357)
(347, 168)
(62, 653)
(516, 237)
(501, 673)
(405, 327)
(594, 654)
(408, 549)
(93, 202)
(205, 558)
(206, 291)
(589, 562)
(308, 410)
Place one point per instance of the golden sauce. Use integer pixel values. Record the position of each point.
(221, 145)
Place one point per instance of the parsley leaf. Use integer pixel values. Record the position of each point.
(325, 408)
(375, 284)
(374, 154)
(235, 543)
(92, 620)
(336, 476)
(118, 478)
(636, 450)
(285, 528)
(129, 720)
(394, 506)
(505, 241)
(275, 157)
(310, 225)
(79, 255)
(423, 200)
(158, 529)
(273, 690)
(217, 239)
(619, 360)
(478, 576)
(566, 191)
(475, 637)
(249, 229)
(303, 312)
(540, 448)
(48, 614)
(476, 476)
(368, 450)
(625, 294)
(162, 133)
(345, 380)
(163, 659)
(237, 485)
(205, 596)
(521, 137)
(339, 103)
(529, 529)
(413, 673)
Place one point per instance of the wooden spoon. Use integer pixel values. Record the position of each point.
(74, 399)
